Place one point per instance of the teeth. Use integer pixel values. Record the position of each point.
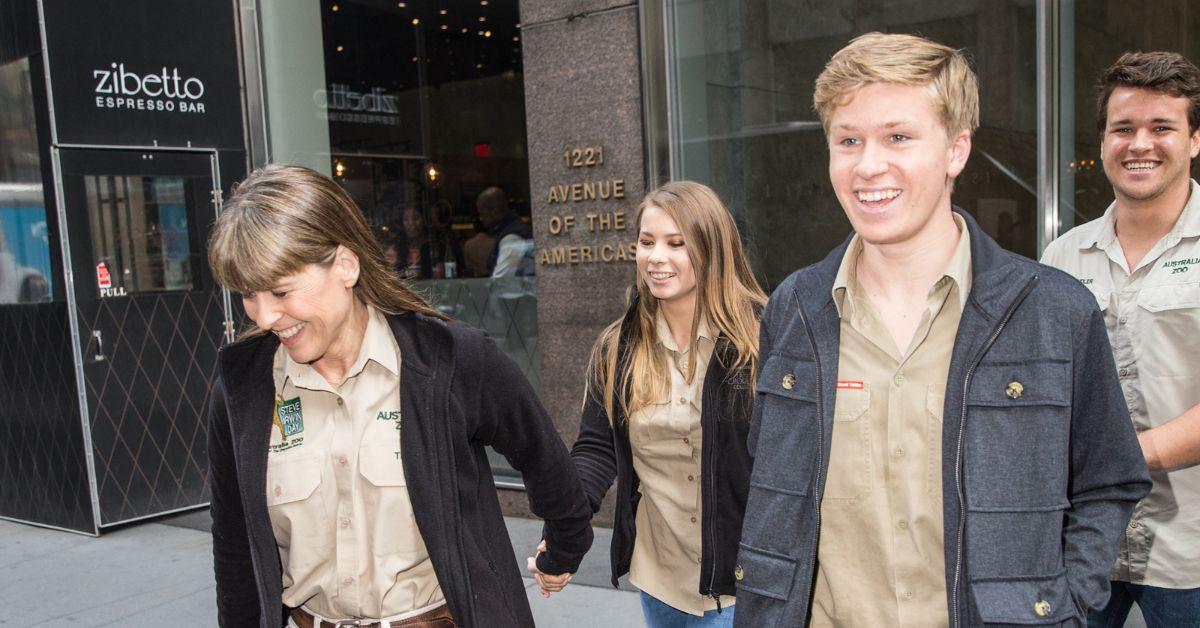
(290, 331)
(1140, 165)
(660, 275)
(881, 195)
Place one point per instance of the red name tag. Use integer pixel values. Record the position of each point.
(845, 384)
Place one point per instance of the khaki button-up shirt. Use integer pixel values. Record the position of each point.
(1153, 317)
(666, 442)
(881, 545)
(336, 493)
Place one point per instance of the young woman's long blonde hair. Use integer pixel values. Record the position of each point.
(728, 297)
(282, 218)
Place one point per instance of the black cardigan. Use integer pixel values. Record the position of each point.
(458, 394)
(602, 453)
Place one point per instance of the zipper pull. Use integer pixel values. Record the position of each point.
(717, 598)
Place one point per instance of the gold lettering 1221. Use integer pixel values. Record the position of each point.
(584, 157)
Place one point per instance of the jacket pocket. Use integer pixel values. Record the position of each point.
(1018, 435)
(1029, 601)
(788, 428)
(764, 573)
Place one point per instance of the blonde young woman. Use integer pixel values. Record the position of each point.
(350, 485)
(668, 406)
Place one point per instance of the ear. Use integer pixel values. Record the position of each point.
(347, 266)
(960, 150)
(1195, 143)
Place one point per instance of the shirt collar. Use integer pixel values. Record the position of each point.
(378, 345)
(1186, 226)
(664, 331)
(958, 269)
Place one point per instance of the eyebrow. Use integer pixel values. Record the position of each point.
(1152, 120)
(667, 235)
(887, 125)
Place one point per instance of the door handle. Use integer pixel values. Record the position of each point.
(98, 355)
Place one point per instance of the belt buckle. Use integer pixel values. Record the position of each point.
(354, 623)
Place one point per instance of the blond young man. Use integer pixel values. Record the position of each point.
(930, 449)
(1141, 260)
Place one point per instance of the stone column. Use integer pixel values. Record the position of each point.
(582, 92)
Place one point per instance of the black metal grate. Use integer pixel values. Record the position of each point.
(147, 399)
(43, 469)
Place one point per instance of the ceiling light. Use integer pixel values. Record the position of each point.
(443, 12)
(401, 4)
(334, 8)
(416, 20)
(340, 48)
(487, 33)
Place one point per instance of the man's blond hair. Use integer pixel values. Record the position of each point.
(903, 60)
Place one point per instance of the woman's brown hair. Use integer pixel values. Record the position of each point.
(729, 298)
(282, 218)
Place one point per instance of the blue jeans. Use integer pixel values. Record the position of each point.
(659, 615)
(1162, 608)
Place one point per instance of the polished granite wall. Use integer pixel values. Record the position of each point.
(582, 91)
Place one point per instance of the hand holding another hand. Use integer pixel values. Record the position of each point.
(547, 583)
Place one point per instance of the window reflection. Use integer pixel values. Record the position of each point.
(418, 110)
(1094, 34)
(140, 235)
(744, 122)
(25, 268)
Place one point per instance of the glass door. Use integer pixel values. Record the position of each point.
(150, 321)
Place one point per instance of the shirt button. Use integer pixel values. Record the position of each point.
(898, 379)
(1124, 372)
(903, 524)
(691, 478)
(899, 452)
(682, 401)
(342, 460)
(1123, 320)
(278, 491)
(687, 441)
(347, 581)
(908, 595)
(693, 520)
(340, 401)
(345, 523)
(1133, 525)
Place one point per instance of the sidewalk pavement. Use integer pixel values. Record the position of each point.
(160, 574)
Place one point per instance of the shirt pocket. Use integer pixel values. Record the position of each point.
(1168, 332)
(388, 512)
(293, 502)
(849, 476)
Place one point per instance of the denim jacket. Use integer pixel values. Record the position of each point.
(1037, 487)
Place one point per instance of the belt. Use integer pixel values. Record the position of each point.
(439, 617)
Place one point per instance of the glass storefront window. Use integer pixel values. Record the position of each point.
(742, 76)
(1093, 35)
(25, 267)
(140, 234)
(418, 110)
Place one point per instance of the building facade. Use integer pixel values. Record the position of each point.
(499, 149)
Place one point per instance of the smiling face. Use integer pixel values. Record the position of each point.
(311, 311)
(890, 161)
(662, 258)
(1147, 148)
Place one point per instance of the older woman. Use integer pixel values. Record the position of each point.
(347, 433)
